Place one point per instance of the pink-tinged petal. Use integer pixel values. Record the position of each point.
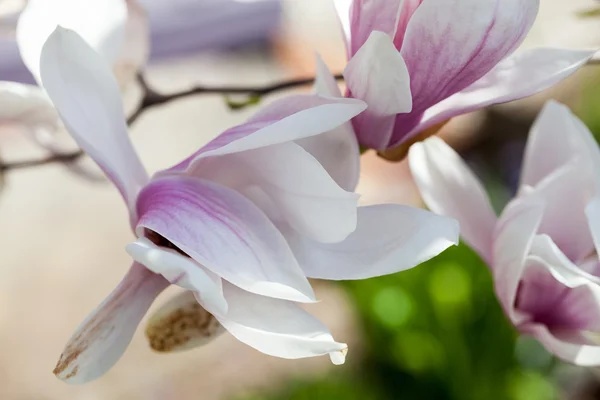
(514, 235)
(450, 188)
(277, 327)
(367, 16)
(566, 192)
(592, 212)
(87, 97)
(568, 346)
(450, 44)
(518, 76)
(389, 238)
(135, 49)
(556, 138)
(181, 271)
(103, 337)
(564, 270)
(298, 187)
(100, 23)
(285, 120)
(548, 301)
(224, 232)
(337, 150)
(378, 75)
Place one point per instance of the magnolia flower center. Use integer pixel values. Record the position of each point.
(162, 241)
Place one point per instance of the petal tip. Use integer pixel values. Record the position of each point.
(339, 357)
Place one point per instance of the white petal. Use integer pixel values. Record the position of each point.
(556, 138)
(514, 235)
(336, 150)
(277, 327)
(103, 337)
(86, 95)
(389, 238)
(181, 271)
(592, 212)
(377, 74)
(568, 349)
(298, 187)
(450, 188)
(566, 192)
(291, 118)
(100, 23)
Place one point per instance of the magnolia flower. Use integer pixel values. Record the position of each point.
(418, 63)
(543, 249)
(241, 223)
(116, 28)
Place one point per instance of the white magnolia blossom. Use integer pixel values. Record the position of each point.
(242, 223)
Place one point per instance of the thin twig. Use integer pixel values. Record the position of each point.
(152, 98)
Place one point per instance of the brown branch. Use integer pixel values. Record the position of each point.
(152, 98)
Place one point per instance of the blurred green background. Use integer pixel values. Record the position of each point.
(438, 332)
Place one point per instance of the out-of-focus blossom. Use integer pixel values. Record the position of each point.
(543, 249)
(418, 63)
(115, 28)
(241, 223)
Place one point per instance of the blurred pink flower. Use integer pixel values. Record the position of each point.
(418, 63)
(241, 223)
(543, 249)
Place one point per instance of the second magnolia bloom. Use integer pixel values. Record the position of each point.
(241, 224)
(543, 249)
(418, 63)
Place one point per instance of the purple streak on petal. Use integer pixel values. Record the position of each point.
(555, 305)
(224, 232)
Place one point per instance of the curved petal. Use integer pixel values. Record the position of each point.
(286, 120)
(450, 188)
(592, 212)
(181, 324)
(449, 44)
(87, 97)
(298, 187)
(547, 300)
(181, 271)
(225, 233)
(543, 249)
(573, 350)
(514, 235)
(389, 238)
(566, 192)
(378, 75)
(518, 76)
(367, 16)
(103, 337)
(277, 327)
(337, 150)
(100, 23)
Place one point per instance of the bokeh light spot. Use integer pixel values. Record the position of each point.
(393, 306)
